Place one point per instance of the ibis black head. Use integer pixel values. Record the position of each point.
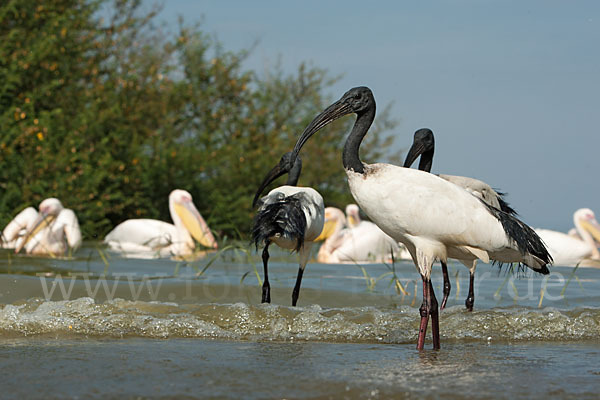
(424, 146)
(285, 165)
(356, 100)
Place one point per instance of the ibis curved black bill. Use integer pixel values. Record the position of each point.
(415, 151)
(285, 165)
(423, 145)
(273, 174)
(337, 110)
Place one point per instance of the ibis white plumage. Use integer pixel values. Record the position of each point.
(149, 238)
(51, 232)
(424, 146)
(289, 216)
(433, 218)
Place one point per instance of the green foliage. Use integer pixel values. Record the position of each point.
(109, 113)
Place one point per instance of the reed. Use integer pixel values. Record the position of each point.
(457, 283)
(394, 279)
(562, 292)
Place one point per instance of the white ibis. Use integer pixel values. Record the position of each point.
(150, 238)
(569, 249)
(433, 218)
(51, 232)
(424, 146)
(289, 216)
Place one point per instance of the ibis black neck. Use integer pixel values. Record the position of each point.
(294, 173)
(350, 156)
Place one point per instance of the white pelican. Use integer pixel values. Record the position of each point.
(361, 242)
(424, 146)
(52, 231)
(14, 233)
(334, 230)
(353, 218)
(383, 243)
(149, 238)
(568, 250)
(289, 216)
(433, 218)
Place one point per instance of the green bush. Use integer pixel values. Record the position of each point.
(109, 113)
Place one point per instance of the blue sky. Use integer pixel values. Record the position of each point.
(511, 89)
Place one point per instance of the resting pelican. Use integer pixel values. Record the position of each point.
(361, 242)
(383, 242)
(353, 216)
(424, 146)
(569, 250)
(14, 233)
(149, 238)
(433, 218)
(289, 216)
(334, 230)
(52, 231)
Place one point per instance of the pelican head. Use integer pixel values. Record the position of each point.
(49, 210)
(352, 215)
(51, 206)
(334, 221)
(584, 219)
(183, 208)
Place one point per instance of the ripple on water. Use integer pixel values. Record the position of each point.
(240, 321)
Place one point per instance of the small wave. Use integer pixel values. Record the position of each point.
(240, 321)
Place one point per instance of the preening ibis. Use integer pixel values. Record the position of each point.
(432, 217)
(424, 146)
(289, 216)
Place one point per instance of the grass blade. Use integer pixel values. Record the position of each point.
(562, 292)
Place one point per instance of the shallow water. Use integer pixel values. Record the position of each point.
(162, 328)
(180, 368)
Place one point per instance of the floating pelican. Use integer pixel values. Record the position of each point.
(424, 146)
(289, 216)
(361, 242)
(334, 230)
(382, 241)
(433, 218)
(14, 233)
(149, 238)
(52, 231)
(353, 216)
(569, 250)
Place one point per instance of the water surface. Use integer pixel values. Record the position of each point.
(98, 325)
